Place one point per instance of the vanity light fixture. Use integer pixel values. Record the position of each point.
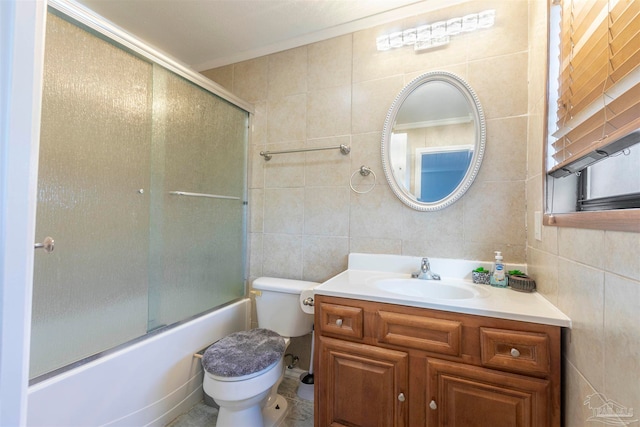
(436, 34)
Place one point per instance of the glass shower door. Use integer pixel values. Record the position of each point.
(90, 293)
(198, 211)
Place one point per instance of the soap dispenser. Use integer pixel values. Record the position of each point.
(498, 276)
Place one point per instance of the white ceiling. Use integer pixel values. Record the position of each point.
(206, 34)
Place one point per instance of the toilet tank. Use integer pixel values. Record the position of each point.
(278, 306)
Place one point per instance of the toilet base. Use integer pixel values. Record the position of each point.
(274, 414)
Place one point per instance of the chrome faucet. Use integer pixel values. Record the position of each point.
(425, 272)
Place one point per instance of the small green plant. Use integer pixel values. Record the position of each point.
(515, 273)
(481, 270)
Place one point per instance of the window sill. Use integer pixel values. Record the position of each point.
(615, 220)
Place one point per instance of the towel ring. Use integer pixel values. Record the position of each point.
(364, 171)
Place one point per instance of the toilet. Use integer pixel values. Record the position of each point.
(244, 369)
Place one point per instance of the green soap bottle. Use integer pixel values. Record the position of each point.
(498, 276)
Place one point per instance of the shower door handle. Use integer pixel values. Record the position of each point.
(48, 244)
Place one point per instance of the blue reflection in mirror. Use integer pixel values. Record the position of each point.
(440, 172)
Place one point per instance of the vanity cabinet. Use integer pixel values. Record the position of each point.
(380, 364)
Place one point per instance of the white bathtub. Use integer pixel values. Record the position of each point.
(146, 384)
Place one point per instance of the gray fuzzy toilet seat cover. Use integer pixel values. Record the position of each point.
(243, 353)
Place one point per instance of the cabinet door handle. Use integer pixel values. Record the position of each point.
(515, 352)
(401, 397)
(339, 322)
(433, 405)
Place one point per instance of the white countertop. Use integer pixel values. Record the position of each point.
(504, 303)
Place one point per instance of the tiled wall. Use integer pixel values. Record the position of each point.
(593, 276)
(305, 219)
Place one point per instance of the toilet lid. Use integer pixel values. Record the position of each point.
(243, 353)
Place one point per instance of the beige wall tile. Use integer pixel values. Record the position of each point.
(494, 213)
(506, 150)
(375, 214)
(324, 257)
(284, 210)
(330, 63)
(288, 73)
(222, 75)
(622, 340)
(327, 168)
(509, 34)
(581, 297)
(251, 78)
(371, 101)
(255, 254)
(585, 246)
(329, 112)
(287, 118)
(326, 211)
(368, 63)
(543, 268)
(283, 170)
(576, 389)
(256, 210)
(622, 254)
(367, 245)
(282, 256)
(487, 78)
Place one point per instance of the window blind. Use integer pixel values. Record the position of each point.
(598, 110)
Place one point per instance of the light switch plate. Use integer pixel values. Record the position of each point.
(537, 220)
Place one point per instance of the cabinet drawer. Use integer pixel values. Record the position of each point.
(526, 352)
(423, 333)
(341, 320)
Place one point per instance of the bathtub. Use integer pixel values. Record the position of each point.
(146, 384)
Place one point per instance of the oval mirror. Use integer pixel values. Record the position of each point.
(433, 141)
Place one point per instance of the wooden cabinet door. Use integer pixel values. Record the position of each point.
(360, 385)
(461, 395)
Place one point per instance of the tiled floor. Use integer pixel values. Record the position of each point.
(300, 411)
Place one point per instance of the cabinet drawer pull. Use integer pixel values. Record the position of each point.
(339, 322)
(433, 405)
(515, 352)
(401, 397)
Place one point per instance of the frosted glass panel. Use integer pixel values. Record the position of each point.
(90, 294)
(197, 249)
(142, 184)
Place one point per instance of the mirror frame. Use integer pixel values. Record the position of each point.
(480, 131)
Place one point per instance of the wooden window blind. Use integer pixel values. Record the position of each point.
(598, 110)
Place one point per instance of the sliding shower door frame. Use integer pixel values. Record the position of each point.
(88, 20)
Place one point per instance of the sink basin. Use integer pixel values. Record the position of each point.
(436, 289)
